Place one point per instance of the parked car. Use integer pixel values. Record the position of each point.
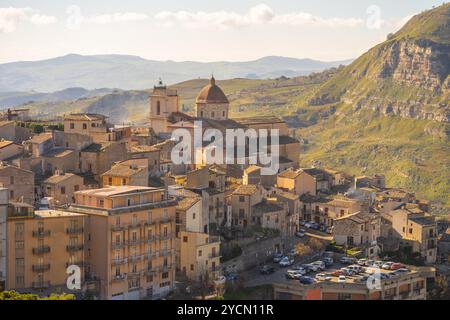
(294, 274)
(323, 227)
(308, 224)
(307, 280)
(362, 262)
(402, 270)
(377, 264)
(337, 273)
(342, 279)
(320, 265)
(267, 269)
(299, 234)
(347, 271)
(396, 266)
(328, 261)
(286, 262)
(323, 277)
(356, 268)
(329, 230)
(315, 226)
(302, 222)
(311, 267)
(348, 260)
(387, 265)
(277, 257)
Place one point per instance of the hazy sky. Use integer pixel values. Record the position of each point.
(200, 30)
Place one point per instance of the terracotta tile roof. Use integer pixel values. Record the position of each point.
(247, 190)
(211, 94)
(5, 143)
(187, 203)
(114, 191)
(58, 178)
(84, 117)
(41, 137)
(121, 170)
(290, 174)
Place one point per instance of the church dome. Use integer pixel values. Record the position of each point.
(212, 94)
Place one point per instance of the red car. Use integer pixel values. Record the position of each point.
(396, 266)
(338, 273)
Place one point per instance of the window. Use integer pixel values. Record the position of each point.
(63, 190)
(158, 108)
(213, 114)
(84, 126)
(241, 198)
(11, 180)
(129, 202)
(192, 267)
(20, 245)
(223, 114)
(185, 239)
(76, 188)
(101, 203)
(110, 181)
(193, 215)
(124, 182)
(241, 213)
(410, 230)
(11, 194)
(72, 126)
(201, 114)
(165, 275)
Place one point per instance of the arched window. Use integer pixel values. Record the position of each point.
(158, 108)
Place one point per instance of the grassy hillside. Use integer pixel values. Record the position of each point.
(368, 143)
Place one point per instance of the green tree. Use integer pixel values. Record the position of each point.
(13, 295)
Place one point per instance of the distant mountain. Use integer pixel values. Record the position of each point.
(132, 72)
(13, 99)
(407, 75)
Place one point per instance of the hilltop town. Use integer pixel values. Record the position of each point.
(109, 199)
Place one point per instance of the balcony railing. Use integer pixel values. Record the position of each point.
(135, 242)
(119, 277)
(135, 258)
(41, 233)
(118, 245)
(41, 250)
(74, 247)
(213, 255)
(41, 285)
(133, 274)
(76, 263)
(119, 227)
(40, 267)
(74, 230)
(150, 239)
(116, 262)
(165, 236)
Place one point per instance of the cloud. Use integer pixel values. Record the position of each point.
(11, 18)
(118, 17)
(39, 19)
(257, 15)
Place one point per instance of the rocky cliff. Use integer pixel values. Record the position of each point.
(407, 75)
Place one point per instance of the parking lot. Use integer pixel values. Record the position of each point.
(255, 278)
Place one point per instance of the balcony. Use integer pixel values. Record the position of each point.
(150, 239)
(134, 258)
(149, 223)
(41, 233)
(165, 220)
(74, 247)
(165, 236)
(116, 262)
(134, 225)
(119, 277)
(150, 256)
(41, 250)
(134, 242)
(165, 253)
(40, 267)
(118, 245)
(74, 230)
(149, 271)
(213, 255)
(119, 227)
(41, 285)
(136, 274)
(165, 268)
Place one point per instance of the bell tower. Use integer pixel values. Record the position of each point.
(163, 102)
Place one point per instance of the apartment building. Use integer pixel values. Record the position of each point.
(409, 286)
(99, 157)
(41, 245)
(4, 199)
(130, 240)
(242, 201)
